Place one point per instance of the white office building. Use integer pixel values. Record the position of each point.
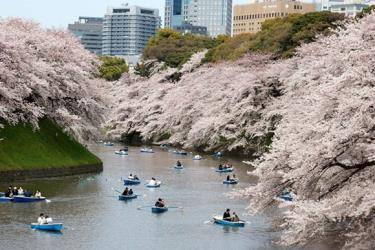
(126, 31)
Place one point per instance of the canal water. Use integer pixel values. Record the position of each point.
(94, 218)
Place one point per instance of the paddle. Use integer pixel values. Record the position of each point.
(175, 207)
(141, 207)
(116, 190)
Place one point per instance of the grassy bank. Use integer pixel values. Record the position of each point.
(21, 148)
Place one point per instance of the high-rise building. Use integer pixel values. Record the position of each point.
(126, 31)
(215, 16)
(89, 31)
(248, 18)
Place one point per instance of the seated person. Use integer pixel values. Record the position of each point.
(48, 219)
(220, 167)
(15, 191)
(131, 192)
(20, 191)
(8, 193)
(41, 219)
(38, 194)
(178, 164)
(235, 217)
(126, 191)
(228, 178)
(152, 181)
(226, 215)
(159, 203)
(131, 177)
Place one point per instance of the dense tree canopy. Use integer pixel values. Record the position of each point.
(112, 68)
(49, 74)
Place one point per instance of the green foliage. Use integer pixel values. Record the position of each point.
(112, 68)
(49, 147)
(279, 36)
(144, 69)
(175, 49)
(366, 11)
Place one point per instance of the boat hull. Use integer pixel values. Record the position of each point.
(159, 210)
(220, 221)
(228, 170)
(121, 153)
(127, 197)
(5, 199)
(23, 199)
(55, 227)
(131, 182)
(179, 167)
(230, 182)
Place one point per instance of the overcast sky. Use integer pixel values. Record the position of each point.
(58, 13)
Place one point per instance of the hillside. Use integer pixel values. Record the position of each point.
(21, 148)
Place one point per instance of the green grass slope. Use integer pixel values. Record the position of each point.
(21, 148)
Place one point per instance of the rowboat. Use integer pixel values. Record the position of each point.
(179, 152)
(179, 167)
(218, 154)
(108, 144)
(127, 197)
(286, 196)
(19, 198)
(47, 227)
(219, 220)
(231, 181)
(159, 210)
(224, 170)
(6, 199)
(150, 185)
(147, 150)
(131, 182)
(197, 157)
(121, 152)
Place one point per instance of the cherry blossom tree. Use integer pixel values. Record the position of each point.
(47, 73)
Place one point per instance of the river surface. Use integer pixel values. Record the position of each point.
(94, 218)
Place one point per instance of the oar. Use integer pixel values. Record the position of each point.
(175, 207)
(116, 191)
(139, 208)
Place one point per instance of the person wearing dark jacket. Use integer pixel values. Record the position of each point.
(226, 215)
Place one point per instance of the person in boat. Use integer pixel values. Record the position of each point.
(126, 191)
(48, 219)
(38, 194)
(226, 215)
(234, 177)
(131, 192)
(228, 178)
(41, 219)
(20, 191)
(160, 203)
(152, 181)
(235, 217)
(15, 191)
(131, 177)
(220, 167)
(178, 164)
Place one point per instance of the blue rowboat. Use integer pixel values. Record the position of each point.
(230, 182)
(147, 150)
(225, 170)
(56, 227)
(131, 182)
(197, 158)
(179, 167)
(127, 197)
(159, 210)
(219, 220)
(6, 199)
(27, 199)
(121, 152)
(156, 185)
(286, 196)
(108, 144)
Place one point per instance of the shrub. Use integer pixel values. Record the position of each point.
(112, 68)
